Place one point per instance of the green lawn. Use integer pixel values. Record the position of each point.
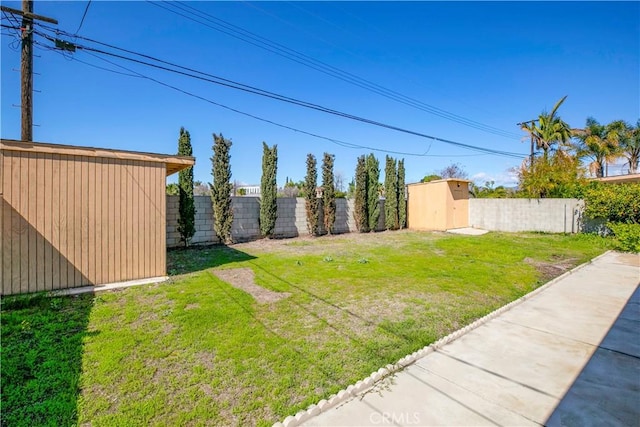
(197, 351)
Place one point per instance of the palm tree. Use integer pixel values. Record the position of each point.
(549, 130)
(629, 143)
(599, 143)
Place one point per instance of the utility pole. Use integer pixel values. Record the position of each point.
(521, 124)
(26, 72)
(26, 64)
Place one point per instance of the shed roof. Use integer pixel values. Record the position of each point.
(620, 179)
(173, 163)
(442, 180)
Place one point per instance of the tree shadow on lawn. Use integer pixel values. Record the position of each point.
(198, 258)
(41, 358)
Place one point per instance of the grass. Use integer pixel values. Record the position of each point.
(197, 351)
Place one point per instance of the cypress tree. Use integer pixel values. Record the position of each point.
(373, 177)
(361, 207)
(390, 194)
(221, 188)
(186, 206)
(268, 190)
(310, 195)
(328, 192)
(402, 200)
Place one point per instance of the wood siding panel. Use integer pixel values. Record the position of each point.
(153, 220)
(31, 222)
(160, 251)
(90, 271)
(23, 230)
(73, 220)
(65, 199)
(5, 221)
(47, 231)
(146, 223)
(135, 173)
(104, 211)
(78, 210)
(39, 223)
(110, 221)
(128, 197)
(56, 197)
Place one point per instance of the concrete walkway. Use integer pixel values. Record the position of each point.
(569, 355)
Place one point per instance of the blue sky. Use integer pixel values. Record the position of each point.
(496, 63)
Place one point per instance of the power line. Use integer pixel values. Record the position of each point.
(293, 55)
(86, 9)
(249, 37)
(257, 91)
(297, 130)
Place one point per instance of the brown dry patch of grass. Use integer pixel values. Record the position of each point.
(244, 279)
(551, 270)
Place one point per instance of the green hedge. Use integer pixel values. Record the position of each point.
(619, 205)
(613, 202)
(627, 236)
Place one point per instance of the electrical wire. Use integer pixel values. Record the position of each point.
(338, 142)
(73, 58)
(314, 135)
(86, 9)
(325, 68)
(232, 30)
(250, 89)
(17, 34)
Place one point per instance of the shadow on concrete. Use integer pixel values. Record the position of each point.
(607, 391)
(198, 258)
(42, 348)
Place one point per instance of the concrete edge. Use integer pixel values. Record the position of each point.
(108, 286)
(355, 389)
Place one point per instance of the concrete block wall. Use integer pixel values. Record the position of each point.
(246, 214)
(204, 221)
(291, 221)
(547, 215)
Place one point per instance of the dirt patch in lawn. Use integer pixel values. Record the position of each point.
(327, 243)
(244, 279)
(553, 269)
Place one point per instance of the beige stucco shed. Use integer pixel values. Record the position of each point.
(77, 216)
(438, 205)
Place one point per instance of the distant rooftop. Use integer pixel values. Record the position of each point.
(620, 179)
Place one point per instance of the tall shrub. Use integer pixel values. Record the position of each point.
(373, 177)
(268, 190)
(618, 203)
(186, 206)
(311, 197)
(552, 176)
(221, 188)
(402, 200)
(328, 193)
(361, 207)
(390, 194)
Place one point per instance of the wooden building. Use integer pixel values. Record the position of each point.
(77, 216)
(438, 205)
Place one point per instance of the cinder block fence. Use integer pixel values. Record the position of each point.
(512, 215)
(291, 221)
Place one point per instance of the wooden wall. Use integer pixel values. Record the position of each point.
(72, 220)
(438, 205)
